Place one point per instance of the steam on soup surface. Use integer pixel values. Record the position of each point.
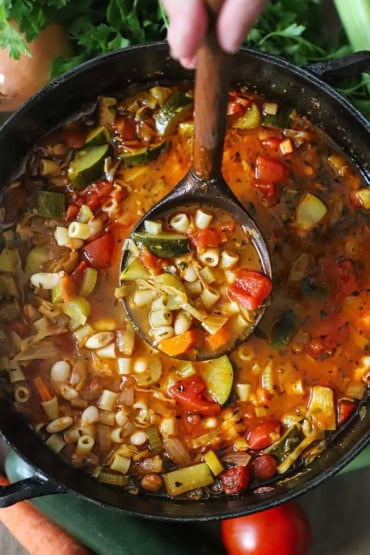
(127, 413)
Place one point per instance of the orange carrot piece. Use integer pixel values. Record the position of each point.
(35, 532)
(179, 344)
(68, 288)
(42, 389)
(218, 339)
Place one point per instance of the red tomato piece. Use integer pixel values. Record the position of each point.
(283, 530)
(263, 467)
(340, 274)
(270, 170)
(250, 289)
(272, 143)
(268, 190)
(263, 434)
(74, 136)
(188, 394)
(235, 479)
(72, 212)
(99, 251)
(204, 238)
(316, 347)
(345, 408)
(151, 261)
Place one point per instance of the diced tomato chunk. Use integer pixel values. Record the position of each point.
(99, 251)
(250, 289)
(151, 261)
(340, 274)
(74, 136)
(263, 467)
(345, 408)
(272, 143)
(270, 170)
(189, 394)
(205, 238)
(235, 479)
(263, 434)
(268, 190)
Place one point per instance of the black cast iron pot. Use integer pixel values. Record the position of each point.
(305, 89)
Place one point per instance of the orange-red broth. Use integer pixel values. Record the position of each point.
(316, 331)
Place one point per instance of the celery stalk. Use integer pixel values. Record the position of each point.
(355, 18)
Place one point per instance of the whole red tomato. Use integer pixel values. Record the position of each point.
(283, 530)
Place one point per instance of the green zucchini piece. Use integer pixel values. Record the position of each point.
(178, 107)
(164, 245)
(9, 260)
(310, 211)
(283, 330)
(143, 155)
(135, 270)
(286, 444)
(281, 119)
(35, 259)
(218, 375)
(87, 166)
(107, 110)
(51, 204)
(250, 120)
(98, 136)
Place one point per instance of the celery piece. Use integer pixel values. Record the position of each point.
(355, 18)
(35, 259)
(155, 442)
(89, 279)
(187, 478)
(218, 376)
(78, 310)
(113, 479)
(51, 204)
(213, 462)
(56, 294)
(9, 260)
(310, 211)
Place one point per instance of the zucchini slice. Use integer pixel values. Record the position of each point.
(218, 376)
(87, 166)
(51, 204)
(178, 107)
(135, 270)
(98, 136)
(143, 155)
(164, 245)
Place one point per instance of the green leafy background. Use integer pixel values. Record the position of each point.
(303, 31)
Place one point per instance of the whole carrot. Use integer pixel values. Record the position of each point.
(35, 532)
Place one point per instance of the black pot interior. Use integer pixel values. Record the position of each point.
(63, 99)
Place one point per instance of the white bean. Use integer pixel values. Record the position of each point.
(59, 424)
(60, 371)
(100, 339)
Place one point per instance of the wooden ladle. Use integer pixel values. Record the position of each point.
(204, 183)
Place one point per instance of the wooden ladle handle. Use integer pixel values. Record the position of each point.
(212, 81)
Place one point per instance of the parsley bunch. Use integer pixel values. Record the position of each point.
(293, 29)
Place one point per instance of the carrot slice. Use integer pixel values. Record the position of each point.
(68, 288)
(179, 344)
(35, 532)
(42, 389)
(218, 339)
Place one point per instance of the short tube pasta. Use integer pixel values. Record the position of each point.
(210, 257)
(180, 222)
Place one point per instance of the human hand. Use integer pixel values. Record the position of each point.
(188, 25)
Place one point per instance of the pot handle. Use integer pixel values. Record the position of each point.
(35, 486)
(343, 68)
